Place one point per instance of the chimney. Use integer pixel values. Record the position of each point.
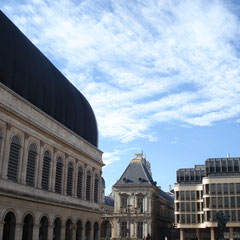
(170, 188)
(228, 155)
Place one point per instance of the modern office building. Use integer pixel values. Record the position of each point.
(204, 190)
(50, 164)
(140, 207)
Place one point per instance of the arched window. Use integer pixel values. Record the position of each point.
(13, 158)
(87, 230)
(69, 228)
(88, 186)
(106, 230)
(9, 227)
(70, 179)
(57, 229)
(43, 229)
(58, 180)
(27, 228)
(79, 230)
(96, 189)
(46, 170)
(96, 229)
(79, 183)
(32, 153)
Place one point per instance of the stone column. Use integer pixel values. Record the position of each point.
(23, 173)
(6, 151)
(63, 232)
(230, 233)
(198, 233)
(40, 165)
(37, 166)
(50, 232)
(18, 231)
(212, 234)
(35, 232)
(181, 234)
(1, 230)
(54, 163)
(91, 233)
(2, 148)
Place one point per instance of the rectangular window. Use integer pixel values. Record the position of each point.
(198, 207)
(233, 215)
(236, 166)
(219, 188)
(183, 218)
(214, 216)
(238, 187)
(224, 166)
(193, 218)
(182, 207)
(220, 202)
(198, 195)
(124, 229)
(207, 202)
(226, 205)
(193, 195)
(177, 195)
(124, 202)
(182, 195)
(225, 188)
(232, 202)
(208, 216)
(177, 207)
(193, 206)
(213, 202)
(232, 188)
(140, 204)
(188, 206)
(187, 195)
(238, 202)
(238, 215)
(207, 189)
(188, 219)
(199, 218)
(178, 218)
(213, 188)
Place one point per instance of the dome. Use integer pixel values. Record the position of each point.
(103, 183)
(26, 71)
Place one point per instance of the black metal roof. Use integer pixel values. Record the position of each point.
(26, 71)
(136, 174)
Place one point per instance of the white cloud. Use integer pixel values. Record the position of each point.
(110, 157)
(140, 63)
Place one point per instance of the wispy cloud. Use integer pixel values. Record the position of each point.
(140, 63)
(110, 157)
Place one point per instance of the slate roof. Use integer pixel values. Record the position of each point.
(136, 174)
(27, 72)
(108, 201)
(165, 195)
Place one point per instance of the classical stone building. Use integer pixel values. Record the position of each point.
(50, 164)
(140, 207)
(204, 190)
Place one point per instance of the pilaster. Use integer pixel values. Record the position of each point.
(212, 234)
(230, 233)
(181, 234)
(1, 229)
(18, 231)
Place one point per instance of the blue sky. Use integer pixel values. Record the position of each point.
(162, 76)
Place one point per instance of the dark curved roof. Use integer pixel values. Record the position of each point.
(26, 71)
(103, 183)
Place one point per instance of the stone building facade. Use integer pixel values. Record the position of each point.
(203, 191)
(50, 164)
(140, 207)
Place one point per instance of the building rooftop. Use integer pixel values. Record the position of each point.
(27, 72)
